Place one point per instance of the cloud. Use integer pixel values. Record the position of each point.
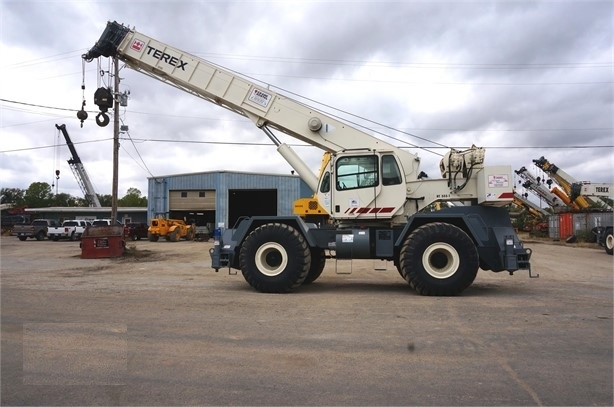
(525, 79)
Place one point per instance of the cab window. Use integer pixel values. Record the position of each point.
(325, 185)
(391, 175)
(357, 172)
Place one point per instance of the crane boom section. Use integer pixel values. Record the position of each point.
(234, 92)
(78, 170)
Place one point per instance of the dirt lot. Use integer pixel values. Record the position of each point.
(162, 328)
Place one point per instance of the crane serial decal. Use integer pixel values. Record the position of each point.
(260, 97)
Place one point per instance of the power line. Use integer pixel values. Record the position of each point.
(436, 65)
(240, 120)
(254, 144)
(16, 150)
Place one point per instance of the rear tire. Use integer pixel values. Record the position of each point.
(439, 259)
(22, 238)
(609, 244)
(275, 258)
(40, 236)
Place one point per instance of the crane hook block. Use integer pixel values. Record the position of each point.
(103, 98)
(102, 119)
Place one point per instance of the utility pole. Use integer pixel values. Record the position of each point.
(115, 141)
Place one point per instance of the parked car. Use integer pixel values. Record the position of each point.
(136, 231)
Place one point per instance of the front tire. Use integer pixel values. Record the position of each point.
(275, 258)
(439, 259)
(189, 236)
(318, 261)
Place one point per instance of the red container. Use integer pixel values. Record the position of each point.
(99, 242)
(566, 225)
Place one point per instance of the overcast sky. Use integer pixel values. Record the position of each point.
(523, 79)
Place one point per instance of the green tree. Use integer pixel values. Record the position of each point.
(81, 201)
(13, 196)
(105, 200)
(38, 195)
(64, 199)
(132, 198)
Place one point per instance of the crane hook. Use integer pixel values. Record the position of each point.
(102, 119)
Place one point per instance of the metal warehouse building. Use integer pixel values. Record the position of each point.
(211, 198)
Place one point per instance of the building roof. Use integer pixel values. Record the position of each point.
(86, 209)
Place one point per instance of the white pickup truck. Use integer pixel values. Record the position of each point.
(70, 229)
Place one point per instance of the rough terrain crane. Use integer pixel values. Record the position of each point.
(79, 170)
(565, 181)
(373, 190)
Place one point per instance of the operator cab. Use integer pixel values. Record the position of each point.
(362, 185)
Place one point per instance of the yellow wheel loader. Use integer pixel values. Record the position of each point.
(171, 229)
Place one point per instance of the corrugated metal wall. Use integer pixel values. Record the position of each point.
(289, 188)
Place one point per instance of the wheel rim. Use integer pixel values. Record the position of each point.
(609, 242)
(271, 259)
(440, 260)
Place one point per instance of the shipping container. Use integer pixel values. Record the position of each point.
(565, 225)
(554, 230)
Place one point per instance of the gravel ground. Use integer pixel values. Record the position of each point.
(160, 327)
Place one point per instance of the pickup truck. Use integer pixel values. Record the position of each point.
(136, 231)
(106, 222)
(37, 229)
(70, 229)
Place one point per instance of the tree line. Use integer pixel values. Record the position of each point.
(40, 195)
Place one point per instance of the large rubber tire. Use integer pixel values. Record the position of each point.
(190, 234)
(439, 259)
(22, 238)
(175, 235)
(275, 258)
(152, 237)
(318, 261)
(609, 244)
